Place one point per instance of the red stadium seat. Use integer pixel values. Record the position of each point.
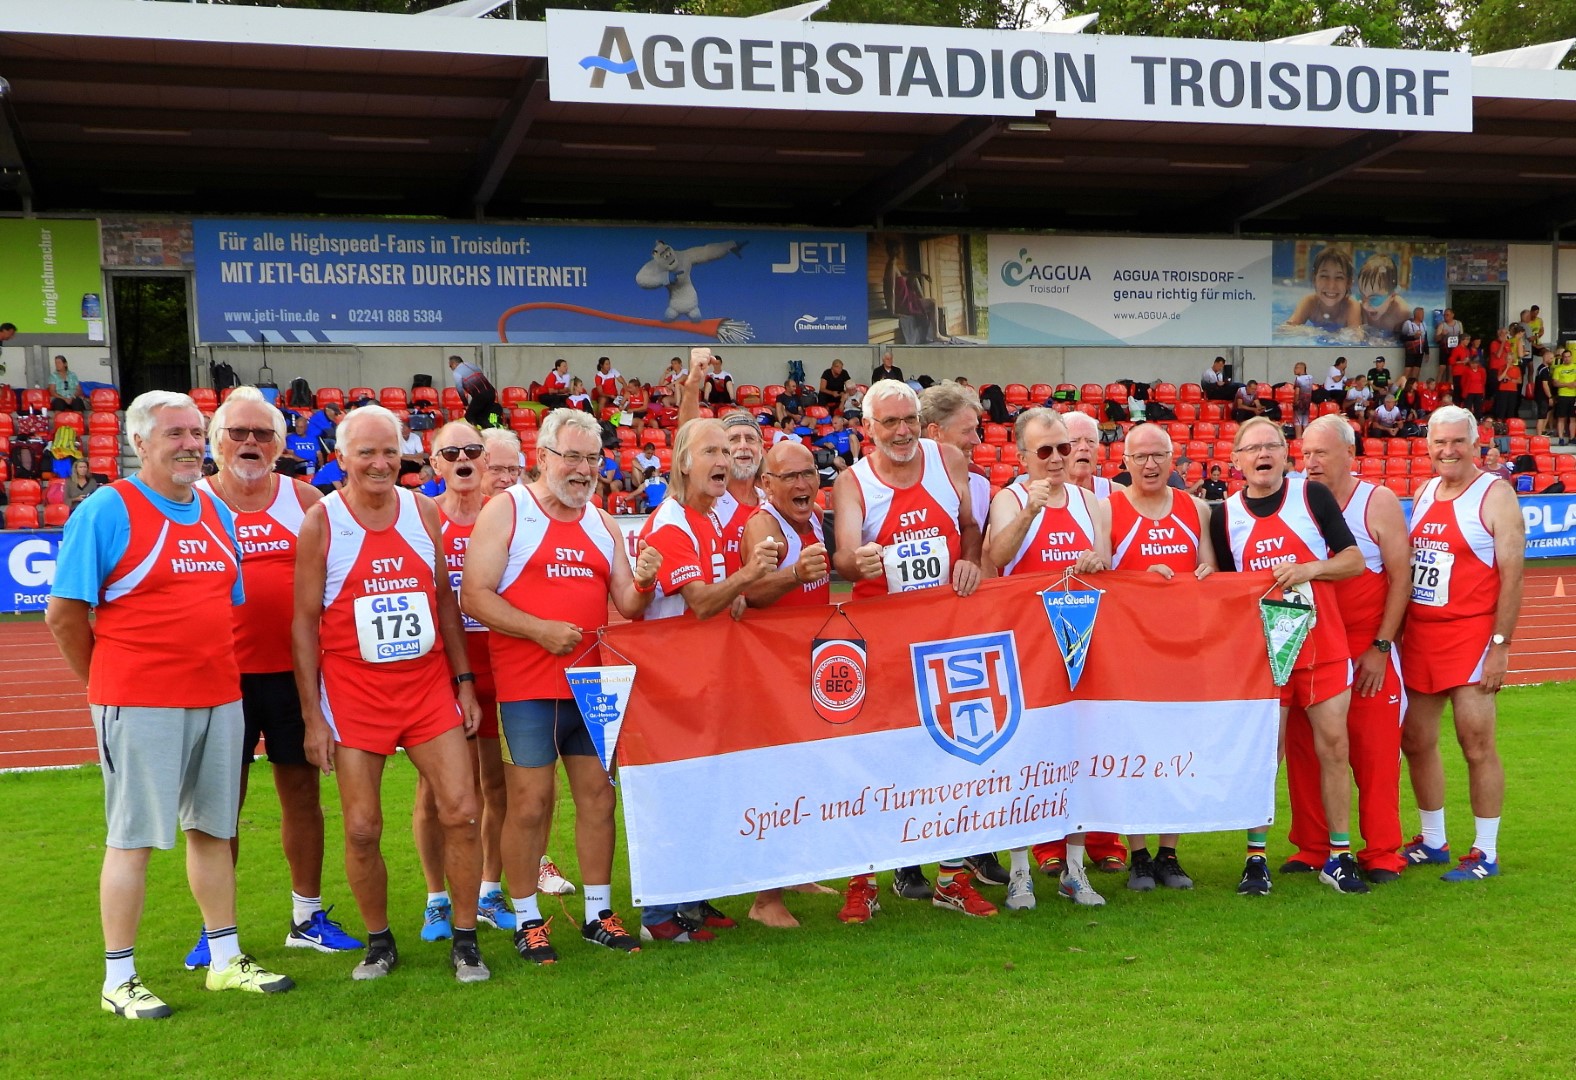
(1116, 392)
(18, 516)
(527, 437)
(411, 480)
(1091, 393)
(105, 399)
(451, 399)
(35, 399)
(1520, 444)
(1186, 413)
(1163, 392)
(1002, 473)
(814, 412)
(523, 419)
(1536, 444)
(665, 458)
(1066, 391)
(1371, 468)
(26, 492)
(747, 394)
(1222, 450)
(1400, 485)
(393, 397)
(327, 395)
(424, 395)
(771, 393)
(105, 466)
(1285, 396)
(5, 469)
(1041, 392)
(998, 434)
(207, 400)
(1543, 481)
(72, 420)
(1017, 395)
(1204, 429)
(510, 397)
(356, 393)
(1191, 393)
(55, 515)
(1515, 426)
(1397, 466)
(7, 399)
(7, 429)
(1545, 462)
(1009, 454)
(626, 436)
(1178, 431)
(986, 454)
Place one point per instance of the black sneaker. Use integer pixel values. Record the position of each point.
(1380, 876)
(1255, 877)
(1169, 873)
(1340, 874)
(910, 883)
(988, 869)
(530, 941)
(606, 930)
(381, 958)
(708, 915)
(1140, 873)
(466, 959)
(1297, 866)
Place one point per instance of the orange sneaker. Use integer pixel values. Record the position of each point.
(859, 902)
(959, 894)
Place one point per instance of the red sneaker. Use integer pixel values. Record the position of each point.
(860, 902)
(959, 894)
(706, 915)
(676, 929)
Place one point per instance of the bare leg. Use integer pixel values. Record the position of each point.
(445, 762)
(428, 835)
(1474, 714)
(360, 782)
(769, 910)
(210, 870)
(301, 826)
(1420, 744)
(123, 886)
(494, 797)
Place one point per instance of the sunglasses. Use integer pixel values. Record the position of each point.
(263, 436)
(1062, 448)
(452, 453)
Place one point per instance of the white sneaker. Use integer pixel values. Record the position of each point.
(1020, 891)
(1076, 887)
(550, 881)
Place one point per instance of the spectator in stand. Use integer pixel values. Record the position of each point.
(412, 454)
(80, 484)
(1214, 383)
(1564, 375)
(1414, 342)
(555, 387)
(1379, 376)
(1359, 398)
(1387, 419)
(321, 428)
(1335, 381)
(607, 386)
(834, 384)
(1246, 404)
(609, 477)
(842, 441)
(1494, 463)
(300, 452)
(65, 388)
(330, 478)
(477, 391)
(1498, 355)
(636, 398)
(885, 369)
(1447, 335)
(1214, 488)
(1301, 397)
(652, 490)
(1543, 390)
(1474, 386)
(719, 384)
(7, 332)
(647, 458)
(577, 397)
(853, 404)
(1410, 402)
(1428, 398)
(791, 403)
(1534, 325)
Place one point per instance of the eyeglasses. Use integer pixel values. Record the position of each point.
(452, 453)
(574, 461)
(504, 470)
(1259, 448)
(1061, 448)
(1157, 458)
(892, 423)
(794, 477)
(264, 436)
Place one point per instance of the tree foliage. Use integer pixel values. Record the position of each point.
(1496, 25)
(1388, 24)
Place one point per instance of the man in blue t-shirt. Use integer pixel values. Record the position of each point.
(321, 429)
(300, 447)
(842, 442)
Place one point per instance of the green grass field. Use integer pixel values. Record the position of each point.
(1417, 979)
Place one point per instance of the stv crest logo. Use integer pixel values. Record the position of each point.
(969, 692)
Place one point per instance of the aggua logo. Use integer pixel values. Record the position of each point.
(1024, 268)
(969, 692)
(615, 42)
(837, 678)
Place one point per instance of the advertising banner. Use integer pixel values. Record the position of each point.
(966, 739)
(382, 283)
(27, 569)
(49, 277)
(1091, 290)
(624, 58)
(1354, 292)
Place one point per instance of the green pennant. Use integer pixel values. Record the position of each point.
(1286, 627)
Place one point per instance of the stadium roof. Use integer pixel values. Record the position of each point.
(127, 105)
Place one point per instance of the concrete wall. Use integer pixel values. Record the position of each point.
(1530, 271)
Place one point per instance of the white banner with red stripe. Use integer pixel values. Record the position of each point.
(968, 739)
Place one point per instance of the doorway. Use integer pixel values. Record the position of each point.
(152, 333)
(1480, 309)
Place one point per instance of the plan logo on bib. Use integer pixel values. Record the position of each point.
(969, 692)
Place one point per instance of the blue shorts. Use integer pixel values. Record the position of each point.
(536, 733)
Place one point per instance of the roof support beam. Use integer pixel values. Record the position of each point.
(1301, 177)
(918, 171)
(514, 122)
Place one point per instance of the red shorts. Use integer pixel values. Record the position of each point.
(486, 690)
(1311, 685)
(431, 710)
(1441, 656)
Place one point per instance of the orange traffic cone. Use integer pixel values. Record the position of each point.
(1559, 586)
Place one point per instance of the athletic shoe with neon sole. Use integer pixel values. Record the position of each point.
(1111, 864)
(1474, 866)
(134, 1002)
(859, 902)
(1074, 884)
(550, 881)
(1052, 867)
(959, 894)
(1020, 891)
(198, 957)
(437, 921)
(532, 943)
(1418, 853)
(493, 910)
(1340, 873)
(1255, 877)
(677, 929)
(607, 930)
(321, 933)
(244, 973)
(707, 915)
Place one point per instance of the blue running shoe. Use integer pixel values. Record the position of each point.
(321, 933)
(493, 910)
(436, 924)
(1418, 853)
(198, 957)
(1474, 866)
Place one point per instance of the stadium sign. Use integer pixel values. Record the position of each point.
(629, 59)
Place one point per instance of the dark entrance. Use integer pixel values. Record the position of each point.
(1481, 310)
(152, 333)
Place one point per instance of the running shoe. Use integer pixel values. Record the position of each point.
(436, 922)
(550, 881)
(1052, 867)
(381, 958)
(244, 973)
(1474, 866)
(531, 942)
(607, 930)
(135, 1002)
(1295, 865)
(466, 959)
(1418, 853)
(704, 914)
(1340, 873)
(1111, 864)
(321, 933)
(493, 910)
(1380, 875)
(859, 902)
(1074, 884)
(1020, 890)
(959, 894)
(677, 929)
(1255, 877)
(988, 869)
(1141, 875)
(198, 957)
(910, 883)
(1169, 873)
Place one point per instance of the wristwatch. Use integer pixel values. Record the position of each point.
(1499, 639)
(1383, 646)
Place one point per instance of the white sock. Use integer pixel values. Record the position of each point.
(434, 897)
(118, 967)
(1487, 837)
(1075, 855)
(302, 908)
(599, 898)
(488, 888)
(1019, 858)
(526, 909)
(1433, 827)
(223, 946)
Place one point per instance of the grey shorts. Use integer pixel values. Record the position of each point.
(161, 766)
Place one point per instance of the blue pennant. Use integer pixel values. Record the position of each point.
(603, 695)
(1072, 613)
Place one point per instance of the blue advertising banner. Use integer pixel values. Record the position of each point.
(27, 569)
(1550, 521)
(398, 282)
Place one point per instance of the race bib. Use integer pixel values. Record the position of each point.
(1451, 341)
(1431, 576)
(916, 564)
(468, 624)
(394, 626)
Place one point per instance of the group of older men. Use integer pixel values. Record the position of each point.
(375, 619)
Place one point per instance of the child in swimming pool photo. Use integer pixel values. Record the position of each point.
(1384, 309)
(1330, 306)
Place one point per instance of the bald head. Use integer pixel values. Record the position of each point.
(789, 455)
(791, 481)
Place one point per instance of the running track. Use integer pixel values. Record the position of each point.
(44, 713)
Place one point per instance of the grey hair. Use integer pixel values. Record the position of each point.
(140, 418)
(221, 418)
(684, 457)
(1450, 414)
(1336, 424)
(495, 436)
(1037, 415)
(555, 422)
(359, 418)
(887, 389)
(462, 424)
(941, 402)
(1081, 419)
